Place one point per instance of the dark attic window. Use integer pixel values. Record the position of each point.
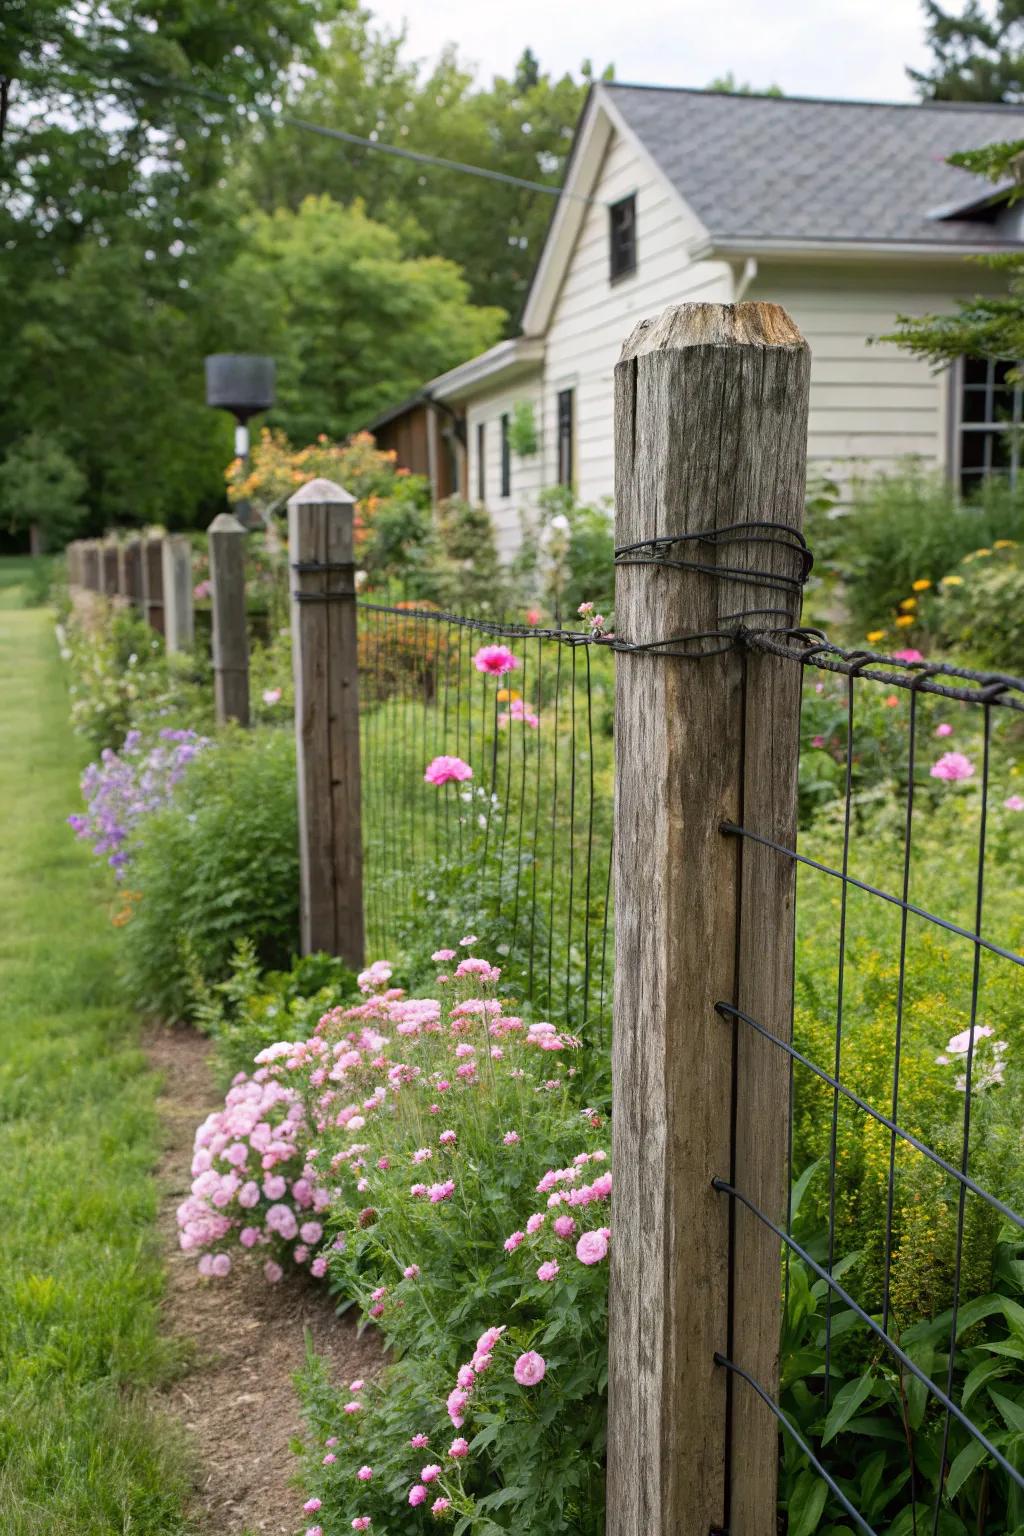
(622, 237)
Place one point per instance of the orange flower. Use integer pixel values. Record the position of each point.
(905, 619)
(920, 586)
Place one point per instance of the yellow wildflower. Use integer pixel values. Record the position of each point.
(905, 619)
(508, 696)
(952, 581)
(875, 634)
(1005, 544)
(908, 603)
(920, 586)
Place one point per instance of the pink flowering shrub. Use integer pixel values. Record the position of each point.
(254, 1191)
(416, 1133)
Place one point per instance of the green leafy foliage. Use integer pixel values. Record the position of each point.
(41, 487)
(220, 864)
(978, 52)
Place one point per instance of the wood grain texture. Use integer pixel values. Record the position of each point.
(129, 582)
(226, 538)
(109, 565)
(153, 583)
(179, 617)
(325, 662)
(707, 398)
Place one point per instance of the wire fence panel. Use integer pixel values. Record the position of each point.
(487, 761)
(901, 1405)
(487, 790)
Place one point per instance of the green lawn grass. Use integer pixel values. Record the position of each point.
(80, 1270)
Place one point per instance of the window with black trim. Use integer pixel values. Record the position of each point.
(990, 419)
(622, 237)
(565, 436)
(506, 459)
(481, 461)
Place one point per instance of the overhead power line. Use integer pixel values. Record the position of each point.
(341, 135)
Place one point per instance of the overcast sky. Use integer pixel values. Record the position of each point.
(852, 48)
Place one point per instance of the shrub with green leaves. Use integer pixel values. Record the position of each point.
(221, 863)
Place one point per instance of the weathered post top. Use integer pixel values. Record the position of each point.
(751, 324)
(321, 493)
(225, 522)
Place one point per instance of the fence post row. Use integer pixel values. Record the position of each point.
(129, 571)
(326, 672)
(710, 431)
(230, 633)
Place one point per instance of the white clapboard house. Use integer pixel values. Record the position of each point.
(847, 213)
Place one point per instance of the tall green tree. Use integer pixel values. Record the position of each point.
(365, 84)
(978, 55)
(353, 322)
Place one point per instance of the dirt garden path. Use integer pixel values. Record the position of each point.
(237, 1401)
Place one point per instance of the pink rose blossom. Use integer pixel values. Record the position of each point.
(447, 1138)
(564, 1226)
(364, 1474)
(458, 1448)
(431, 1473)
(272, 1272)
(1014, 803)
(547, 1270)
(329, 1459)
(495, 660)
(445, 770)
(356, 1386)
(530, 1369)
(440, 955)
(419, 1441)
(944, 729)
(440, 1506)
(353, 1407)
(361, 1523)
(512, 1242)
(417, 1494)
(411, 1272)
(817, 741)
(311, 1506)
(592, 1247)
(952, 766)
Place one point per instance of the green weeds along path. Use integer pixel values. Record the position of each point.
(80, 1273)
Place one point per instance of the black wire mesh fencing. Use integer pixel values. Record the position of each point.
(487, 788)
(901, 1395)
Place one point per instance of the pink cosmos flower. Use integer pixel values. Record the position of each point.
(944, 729)
(271, 695)
(444, 770)
(458, 1448)
(530, 1369)
(592, 1247)
(952, 766)
(417, 1494)
(440, 1506)
(419, 1441)
(1014, 803)
(547, 1270)
(495, 660)
(431, 1473)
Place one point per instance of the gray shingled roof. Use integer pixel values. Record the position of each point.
(769, 168)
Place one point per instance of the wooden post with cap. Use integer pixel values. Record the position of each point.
(710, 432)
(326, 671)
(230, 632)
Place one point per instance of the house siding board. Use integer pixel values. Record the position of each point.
(526, 477)
(593, 315)
(872, 405)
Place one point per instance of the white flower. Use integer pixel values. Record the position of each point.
(961, 1043)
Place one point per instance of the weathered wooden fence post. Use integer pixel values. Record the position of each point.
(153, 582)
(230, 633)
(176, 585)
(710, 432)
(325, 662)
(129, 571)
(91, 565)
(74, 561)
(109, 567)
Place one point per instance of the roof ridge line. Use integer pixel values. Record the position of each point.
(1007, 107)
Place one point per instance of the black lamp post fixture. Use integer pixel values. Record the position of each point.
(242, 383)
